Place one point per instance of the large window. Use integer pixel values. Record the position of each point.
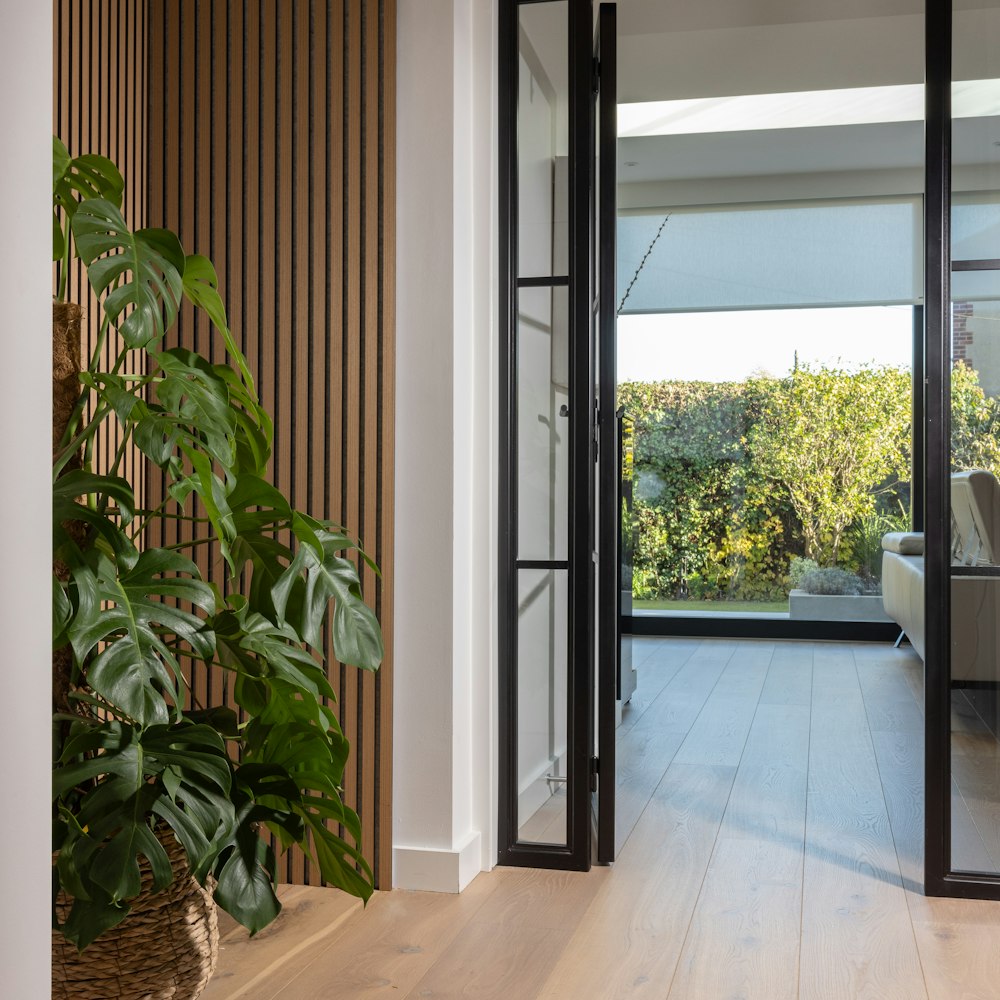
(772, 452)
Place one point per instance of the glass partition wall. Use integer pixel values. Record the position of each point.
(723, 271)
(963, 497)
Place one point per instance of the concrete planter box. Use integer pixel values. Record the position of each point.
(836, 607)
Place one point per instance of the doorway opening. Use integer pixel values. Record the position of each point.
(801, 384)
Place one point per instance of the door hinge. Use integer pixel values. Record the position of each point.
(594, 763)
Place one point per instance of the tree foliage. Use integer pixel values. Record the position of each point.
(832, 442)
(975, 423)
(734, 480)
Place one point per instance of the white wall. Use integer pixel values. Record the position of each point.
(25, 522)
(444, 780)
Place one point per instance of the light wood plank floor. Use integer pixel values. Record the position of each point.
(770, 823)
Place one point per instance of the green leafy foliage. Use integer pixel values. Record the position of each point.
(137, 760)
(975, 423)
(831, 580)
(709, 526)
(138, 276)
(742, 487)
(833, 442)
(76, 180)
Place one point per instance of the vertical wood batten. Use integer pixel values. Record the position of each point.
(282, 175)
(265, 138)
(98, 71)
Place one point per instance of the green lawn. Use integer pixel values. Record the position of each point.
(718, 607)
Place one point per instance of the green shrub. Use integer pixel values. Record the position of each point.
(866, 536)
(736, 482)
(829, 580)
(800, 566)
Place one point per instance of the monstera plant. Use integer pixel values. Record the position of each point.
(137, 757)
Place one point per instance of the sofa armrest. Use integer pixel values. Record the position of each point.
(906, 543)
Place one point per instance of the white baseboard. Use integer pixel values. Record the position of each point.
(436, 869)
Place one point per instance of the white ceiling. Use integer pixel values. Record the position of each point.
(653, 16)
(679, 49)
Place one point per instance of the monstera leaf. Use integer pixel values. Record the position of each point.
(67, 493)
(201, 287)
(178, 773)
(145, 269)
(126, 613)
(357, 638)
(76, 180)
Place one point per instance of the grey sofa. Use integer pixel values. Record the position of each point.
(975, 600)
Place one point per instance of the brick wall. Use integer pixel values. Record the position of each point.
(961, 339)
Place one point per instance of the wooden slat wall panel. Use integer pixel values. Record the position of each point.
(99, 87)
(271, 150)
(266, 140)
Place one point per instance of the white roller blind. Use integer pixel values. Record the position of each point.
(797, 254)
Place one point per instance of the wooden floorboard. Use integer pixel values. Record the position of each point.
(310, 919)
(770, 826)
(654, 672)
(744, 934)
(856, 939)
(628, 941)
(386, 950)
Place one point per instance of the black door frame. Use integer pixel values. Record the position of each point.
(940, 878)
(609, 623)
(575, 854)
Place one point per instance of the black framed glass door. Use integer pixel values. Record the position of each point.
(549, 439)
(962, 546)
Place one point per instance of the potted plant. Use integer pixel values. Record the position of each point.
(151, 790)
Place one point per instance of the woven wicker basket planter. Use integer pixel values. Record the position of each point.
(166, 949)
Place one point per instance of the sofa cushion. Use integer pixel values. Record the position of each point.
(906, 543)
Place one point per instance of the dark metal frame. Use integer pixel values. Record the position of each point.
(918, 470)
(609, 565)
(731, 627)
(932, 405)
(940, 878)
(576, 853)
(937, 362)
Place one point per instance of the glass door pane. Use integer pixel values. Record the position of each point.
(541, 395)
(973, 491)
